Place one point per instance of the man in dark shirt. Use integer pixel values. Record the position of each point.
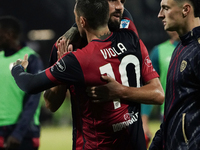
(180, 127)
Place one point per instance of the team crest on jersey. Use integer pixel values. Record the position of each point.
(183, 65)
(60, 65)
(124, 23)
(148, 61)
(129, 116)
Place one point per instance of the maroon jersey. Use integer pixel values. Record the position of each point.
(110, 125)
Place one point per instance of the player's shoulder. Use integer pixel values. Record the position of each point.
(126, 23)
(127, 34)
(88, 48)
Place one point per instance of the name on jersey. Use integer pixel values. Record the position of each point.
(112, 52)
(130, 118)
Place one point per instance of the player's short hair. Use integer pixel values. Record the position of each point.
(195, 4)
(11, 24)
(95, 11)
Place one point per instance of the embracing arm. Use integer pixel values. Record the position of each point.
(54, 97)
(150, 93)
(31, 83)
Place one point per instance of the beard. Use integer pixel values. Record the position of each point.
(113, 25)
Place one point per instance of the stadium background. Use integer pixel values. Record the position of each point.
(57, 16)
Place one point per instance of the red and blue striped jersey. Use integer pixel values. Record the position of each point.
(110, 125)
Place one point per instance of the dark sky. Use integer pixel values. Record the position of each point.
(58, 15)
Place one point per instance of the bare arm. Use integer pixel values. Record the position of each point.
(54, 97)
(150, 93)
(73, 37)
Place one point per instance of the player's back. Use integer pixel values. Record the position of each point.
(115, 124)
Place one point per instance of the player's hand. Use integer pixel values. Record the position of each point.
(62, 48)
(70, 37)
(107, 92)
(24, 62)
(73, 37)
(12, 143)
(54, 97)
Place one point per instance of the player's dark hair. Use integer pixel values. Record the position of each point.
(11, 24)
(95, 11)
(195, 4)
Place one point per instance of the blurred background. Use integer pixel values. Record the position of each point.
(44, 21)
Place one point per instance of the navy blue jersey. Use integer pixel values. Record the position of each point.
(181, 125)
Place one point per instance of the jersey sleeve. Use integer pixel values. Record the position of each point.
(127, 14)
(148, 72)
(67, 70)
(126, 23)
(31, 83)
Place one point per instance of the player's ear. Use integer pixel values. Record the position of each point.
(82, 21)
(186, 9)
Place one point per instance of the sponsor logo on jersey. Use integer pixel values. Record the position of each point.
(183, 65)
(129, 118)
(60, 65)
(147, 61)
(124, 23)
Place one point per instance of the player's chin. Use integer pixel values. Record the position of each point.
(166, 28)
(113, 25)
(116, 19)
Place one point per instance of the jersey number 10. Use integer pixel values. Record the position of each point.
(129, 59)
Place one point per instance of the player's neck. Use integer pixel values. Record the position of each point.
(101, 33)
(189, 25)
